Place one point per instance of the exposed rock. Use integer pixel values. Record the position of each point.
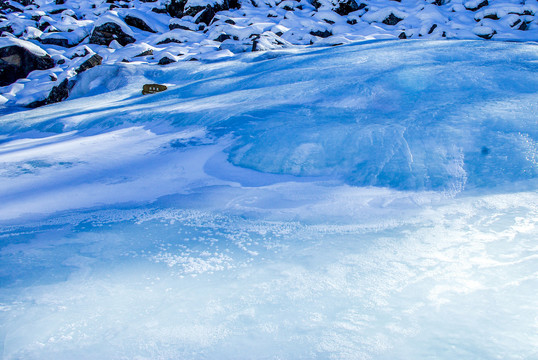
(16, 62)
(25, 2)
(145, 53)
(57, 94)
(487, 36)
(93, 61)
(470, 5)
(391, 20)
(165, 60)
(106, 33)
(6, 6)
(168, 41)
(347, 7)
(524, 25)
(7, 28)
(206, 15)
(322, 34)
(223, 37)
(138, 23)
(55, 41)
(175, 8)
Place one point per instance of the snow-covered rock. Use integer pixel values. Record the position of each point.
(18, 58)
(206, 30)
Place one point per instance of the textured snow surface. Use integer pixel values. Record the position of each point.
(373, 201)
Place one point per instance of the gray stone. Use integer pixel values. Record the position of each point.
(17, 62)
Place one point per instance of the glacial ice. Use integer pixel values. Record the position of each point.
(369, 201)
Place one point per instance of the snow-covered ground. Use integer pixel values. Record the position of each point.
(161, 32)
(370, 201)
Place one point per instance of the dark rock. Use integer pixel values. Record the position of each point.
(5, 6)
(55, 41)
(166, 60)
(487, 36)
(206, 16)
(138, 23)
(208, 13)
(229, 21)
(352, 22)
(492, 17)
(391, 20)
(25, 2)
(322, 34)
(347, 7)
(145, 53)
(16, 62)
(402, 36)
(315, 3)
(159, 11)
(57, 94)
(434, 26)
(222, 37)
(7, 28)
(173, 26)
(175, 8)
(57, 11)
(169, 40)
(330, 22)
(524, 26)
(479, 6)
(106, 33)
(44, 25)
(93, 61)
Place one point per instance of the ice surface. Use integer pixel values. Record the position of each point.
(373, 201)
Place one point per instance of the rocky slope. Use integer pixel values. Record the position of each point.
(45, 44)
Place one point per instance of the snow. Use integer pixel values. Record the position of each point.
(255, 26)
(11, 41)
(367, 201)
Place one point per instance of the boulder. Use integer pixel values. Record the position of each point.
(204, 14)
(91, 62)
(58, 93)
(16, 62)
(346, 7)
(138, 23)
(475, 5)
(322, 34)
(165, 60)
(391, 19)
(104, 34)
(58, 41)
